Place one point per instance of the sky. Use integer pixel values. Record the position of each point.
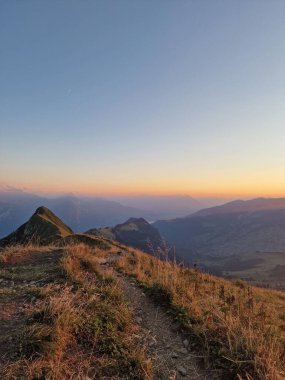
(143, 97)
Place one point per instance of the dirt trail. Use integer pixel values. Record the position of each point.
(165, 344)
(18, 290)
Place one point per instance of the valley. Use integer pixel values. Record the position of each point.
(264, 269)
(241, 239)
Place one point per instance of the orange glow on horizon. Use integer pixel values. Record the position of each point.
(215, 191)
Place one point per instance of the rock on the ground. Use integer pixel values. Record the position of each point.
(182, 371)
(183, 351)
(185, 343)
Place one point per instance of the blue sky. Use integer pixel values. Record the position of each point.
(143, 96)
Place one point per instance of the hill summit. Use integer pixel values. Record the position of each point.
(135, 232)
(44, 227)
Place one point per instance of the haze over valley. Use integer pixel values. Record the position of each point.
(85, 212)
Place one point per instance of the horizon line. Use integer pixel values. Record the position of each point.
(114, 194)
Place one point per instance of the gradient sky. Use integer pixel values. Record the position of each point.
(140, 96)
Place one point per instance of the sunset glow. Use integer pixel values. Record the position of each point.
(139, 98)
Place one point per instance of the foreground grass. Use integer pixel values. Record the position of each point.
(81, 327)
(15, 253)
(236, 328)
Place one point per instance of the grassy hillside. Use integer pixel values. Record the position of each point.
(45, 214)
(66, 316)
(43, 227)
(234, 326)
(65, 319)
(266, 269)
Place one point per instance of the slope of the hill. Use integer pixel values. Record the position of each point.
(117, 313)
(62, 319)
(234, 228)
(43, 227)
(237, 327)
(67, 314)
(135, 232)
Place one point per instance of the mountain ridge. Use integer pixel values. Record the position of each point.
(43, 227)
(236, 227)
(135, 232)
(238, 206)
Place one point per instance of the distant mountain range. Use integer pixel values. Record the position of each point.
(164, 206)
(83, 213)
(234, 228)
(239, 206)
(135, 232)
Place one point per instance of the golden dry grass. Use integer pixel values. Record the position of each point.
(80, 328)
(235, 327)
(13, 253)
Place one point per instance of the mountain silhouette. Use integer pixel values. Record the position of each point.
(44, 227)
(135, 232)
